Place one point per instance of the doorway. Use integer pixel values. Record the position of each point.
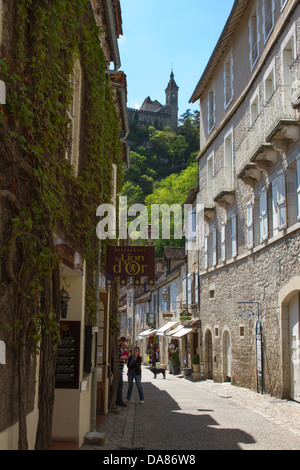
(208, 356)
(294, 349)
(227, 356)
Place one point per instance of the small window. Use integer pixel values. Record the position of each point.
(254, 37)
(211, 294)
(228, 81)
(211, 109)
(210, 178)
(242, 331)
(216, 332)
(228, 160)
(268, 17)
(269, 82)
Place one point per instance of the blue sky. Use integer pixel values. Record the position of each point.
(161, 34)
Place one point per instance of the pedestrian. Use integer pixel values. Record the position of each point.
(135, 372)
(122, 359)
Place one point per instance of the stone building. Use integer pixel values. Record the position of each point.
(153, 113)
(249, 180)
(68, 50)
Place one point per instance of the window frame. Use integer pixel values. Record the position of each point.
(254, 14)
(266, 16)
(250, 225)
(228, 80)
(263, 215)
(211, 109)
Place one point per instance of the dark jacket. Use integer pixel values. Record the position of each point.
(135, 365)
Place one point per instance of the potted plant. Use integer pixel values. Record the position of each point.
(196, 363)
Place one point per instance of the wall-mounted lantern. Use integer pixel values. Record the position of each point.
(64, 299)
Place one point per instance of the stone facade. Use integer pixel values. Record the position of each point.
(249, 190)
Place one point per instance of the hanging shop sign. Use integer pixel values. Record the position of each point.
(124, 262)
(67, 363)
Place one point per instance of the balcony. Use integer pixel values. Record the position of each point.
(274, 130)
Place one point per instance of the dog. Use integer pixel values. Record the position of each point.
(156, 370)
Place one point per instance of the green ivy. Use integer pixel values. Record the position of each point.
(48, 36)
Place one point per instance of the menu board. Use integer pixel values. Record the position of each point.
(67, 363)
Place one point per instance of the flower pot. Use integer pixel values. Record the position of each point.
(187, 371)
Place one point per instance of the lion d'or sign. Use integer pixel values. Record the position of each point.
(124, 262)
(2, 353)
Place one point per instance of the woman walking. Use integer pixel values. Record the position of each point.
(135, 372)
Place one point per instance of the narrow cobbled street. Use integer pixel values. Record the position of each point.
(179, 414)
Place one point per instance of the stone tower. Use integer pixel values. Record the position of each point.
(172, 101)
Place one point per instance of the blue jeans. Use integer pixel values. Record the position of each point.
(138, 380)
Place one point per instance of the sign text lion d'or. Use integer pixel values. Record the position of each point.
(130, 261)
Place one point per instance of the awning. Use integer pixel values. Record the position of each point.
(146, 333)
(182, 332)
(166, 327)
(178, 328)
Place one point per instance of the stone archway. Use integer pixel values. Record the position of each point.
(289, 302)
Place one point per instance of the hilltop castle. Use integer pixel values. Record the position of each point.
(153, 113)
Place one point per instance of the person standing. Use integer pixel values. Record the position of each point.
(135, 372)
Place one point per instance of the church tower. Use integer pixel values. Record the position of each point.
(172, 101)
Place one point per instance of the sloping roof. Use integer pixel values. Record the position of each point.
(174, 253)
(232, 23)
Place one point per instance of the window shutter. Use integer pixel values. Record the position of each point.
(281, 202)
(263, 215)
(274, 206)
(196, 286)
(206, 251)
(214, 247)
(250, 238)
(233, 237)
(223, 241)
(298, 186)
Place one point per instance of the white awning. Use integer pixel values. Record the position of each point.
(166, 327)
(146, 333)
(182, 332)
(178, 328)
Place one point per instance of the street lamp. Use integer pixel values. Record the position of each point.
(64, 299)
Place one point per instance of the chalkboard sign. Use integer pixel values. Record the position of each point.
(67, 364)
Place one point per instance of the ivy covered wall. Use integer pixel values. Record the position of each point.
(39, 194)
